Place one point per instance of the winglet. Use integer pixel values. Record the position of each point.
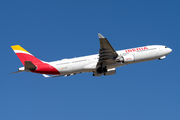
(100, 36)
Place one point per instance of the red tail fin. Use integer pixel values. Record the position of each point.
(32, 63)
(24, 55)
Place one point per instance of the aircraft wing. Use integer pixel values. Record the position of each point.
(107, 54)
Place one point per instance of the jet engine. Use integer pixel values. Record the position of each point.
(97, 74)
(100, 72)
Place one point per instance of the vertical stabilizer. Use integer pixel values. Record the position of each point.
(24, 55)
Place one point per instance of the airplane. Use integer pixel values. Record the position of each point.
(104, 63)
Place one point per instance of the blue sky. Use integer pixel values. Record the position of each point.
(53, 30)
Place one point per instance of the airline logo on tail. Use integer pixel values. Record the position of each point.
(32, 63)
(19, 49)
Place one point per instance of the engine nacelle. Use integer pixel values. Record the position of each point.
(101, 70)
(126, 58)
(107, 72)
(110, 71)
(97, 74)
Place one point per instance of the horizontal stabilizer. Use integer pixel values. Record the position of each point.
(29, 65)
(16, 72)
(46, 76)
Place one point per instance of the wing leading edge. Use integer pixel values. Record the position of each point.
(106, 52)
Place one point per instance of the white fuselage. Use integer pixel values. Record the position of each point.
(89, 63)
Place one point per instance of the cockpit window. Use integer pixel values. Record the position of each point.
(166, 47)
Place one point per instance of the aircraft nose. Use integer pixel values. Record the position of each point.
(169, 50)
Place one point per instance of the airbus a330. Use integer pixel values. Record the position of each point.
(104, 63)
